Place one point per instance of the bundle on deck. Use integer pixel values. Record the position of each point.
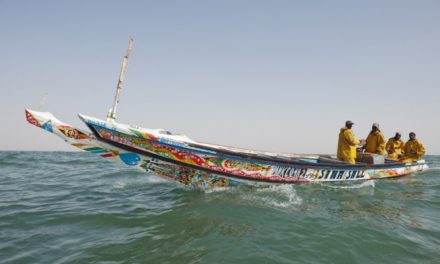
(370, 158)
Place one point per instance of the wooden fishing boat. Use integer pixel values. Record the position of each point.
(181, 159)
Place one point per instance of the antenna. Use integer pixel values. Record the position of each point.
(111, 116)
(42, 101)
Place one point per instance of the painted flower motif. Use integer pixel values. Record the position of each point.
(71, 132)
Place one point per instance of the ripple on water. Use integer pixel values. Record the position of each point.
(76, 208)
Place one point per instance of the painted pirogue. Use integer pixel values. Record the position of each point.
(178, 158)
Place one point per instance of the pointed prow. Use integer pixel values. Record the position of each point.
(111, 116)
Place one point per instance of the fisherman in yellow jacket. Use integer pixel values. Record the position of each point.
(347, 144)
(394, 146)
(413, 149)
(375, 142)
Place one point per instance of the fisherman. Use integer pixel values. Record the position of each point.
(395, 146)
(375, 142)
(413, 149)
(347, 144)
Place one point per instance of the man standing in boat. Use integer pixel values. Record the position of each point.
(347, 144)
(375, 142)
(413, 149)
(394, 146)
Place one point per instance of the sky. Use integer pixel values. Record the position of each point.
(269, 75)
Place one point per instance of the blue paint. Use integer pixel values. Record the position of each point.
(131, 159)
(48, 126)
(99, 151)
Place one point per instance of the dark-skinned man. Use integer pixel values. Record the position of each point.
(375, 142)
(347, 144)
(394, 147)
(413, 149)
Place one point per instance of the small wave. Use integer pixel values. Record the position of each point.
(144, 181)
(5, 163)
(363, 184)
(275, 196)
(119, 185)
(280, 204)
(288, 191)
(151, 178)
(118, 173)
(218, 189)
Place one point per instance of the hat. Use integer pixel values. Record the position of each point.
(348, 122)
(376, 125)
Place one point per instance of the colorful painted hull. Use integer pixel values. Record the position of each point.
(180, 159)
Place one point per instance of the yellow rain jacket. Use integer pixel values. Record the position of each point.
(347, 145)
(414, 150)
(395, 147)
(375, 143)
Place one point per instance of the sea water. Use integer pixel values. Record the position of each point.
(61, 207)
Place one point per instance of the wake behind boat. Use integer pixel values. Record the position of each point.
(181, 159)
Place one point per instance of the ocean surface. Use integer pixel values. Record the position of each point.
(62, 207)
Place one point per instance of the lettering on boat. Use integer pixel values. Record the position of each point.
(341, 174)
(307, 173)
(288, 172)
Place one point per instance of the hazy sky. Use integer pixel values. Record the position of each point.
(272, 75)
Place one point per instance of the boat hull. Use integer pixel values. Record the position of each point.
(88, 142)
(182, 160)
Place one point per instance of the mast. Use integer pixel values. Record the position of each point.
(111, 116)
